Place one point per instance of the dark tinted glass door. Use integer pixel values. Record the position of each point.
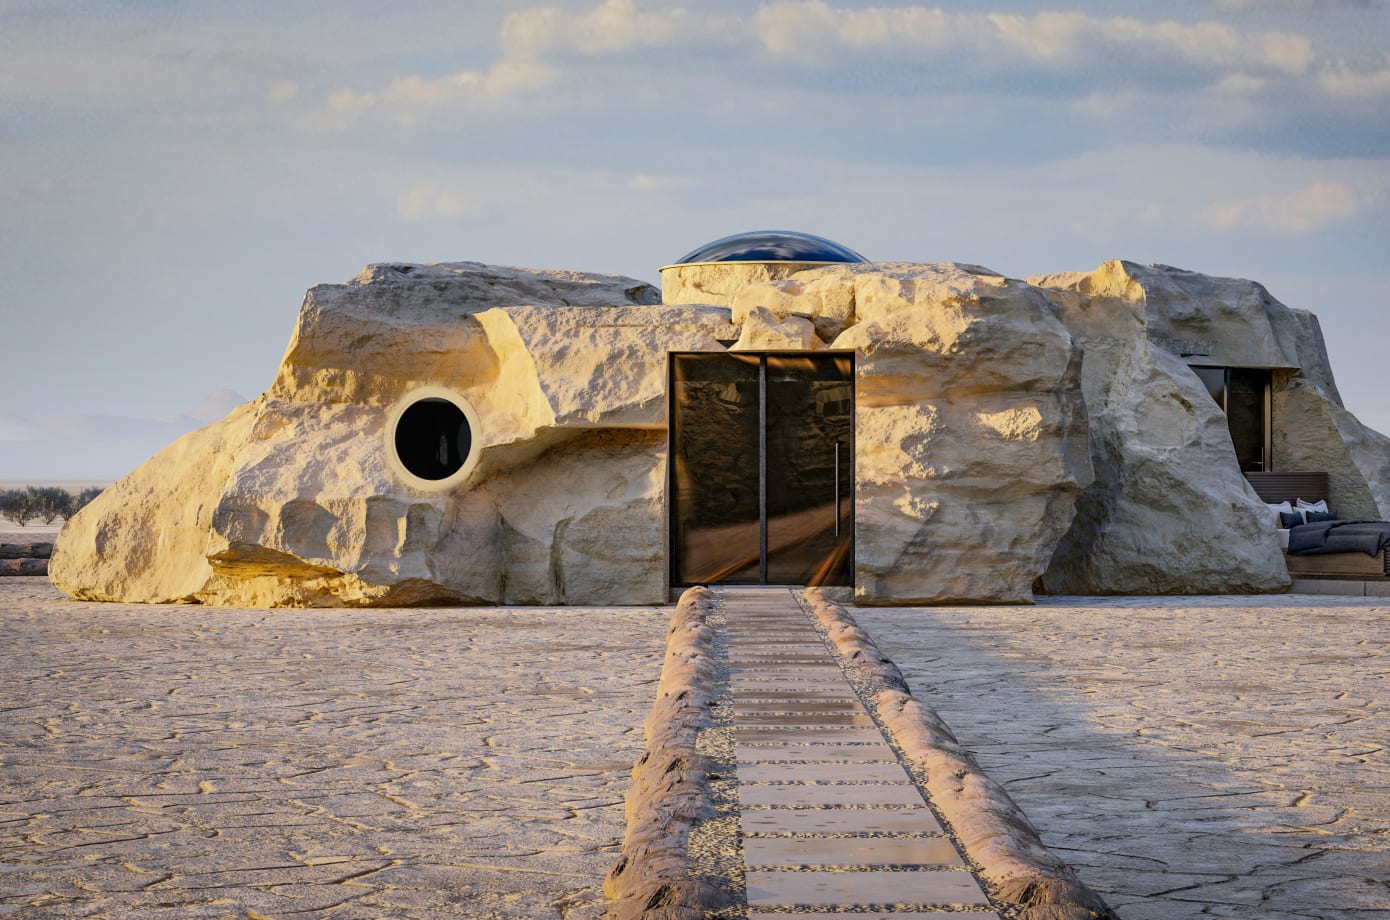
(1247, 414)
(715, 505)
(1243, 393)
(809, 415)
(761, 468)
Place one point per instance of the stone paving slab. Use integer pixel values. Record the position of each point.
(759, 734)
(909, 820)
(753, 687)
(821, 773)
(763, 752)
(1187, 756)
(779, 671)
(756, 700)
(754, 795)
(794, 706)
(736, 660)
(890, 889)
(181, 762)
(764, 852)
(801, 720)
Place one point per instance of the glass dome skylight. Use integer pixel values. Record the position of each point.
(772, 246)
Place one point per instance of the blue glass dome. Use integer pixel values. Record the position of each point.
(772, 246)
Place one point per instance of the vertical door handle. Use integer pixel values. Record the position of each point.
(837, 488)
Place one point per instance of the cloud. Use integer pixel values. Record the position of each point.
(1308, 209)
(1348, 82)
(1298, 6)
(1066, 40)
(605, 54)
(611, 26)
(431, 201)
(408, 100)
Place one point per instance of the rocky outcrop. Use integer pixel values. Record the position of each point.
(290, 501)
(1315, 432)
(1169, 511)
(720, 282)
(970, 430)
(1005, 432)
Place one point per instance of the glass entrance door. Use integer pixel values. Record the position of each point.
(762, 468)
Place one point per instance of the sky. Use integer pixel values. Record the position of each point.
(174, 175)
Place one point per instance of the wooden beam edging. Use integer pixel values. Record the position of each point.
(1019, 870)
(670, 791)
(40, 550)
(25, 558)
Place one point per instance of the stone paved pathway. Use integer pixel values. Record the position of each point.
(181, 762)
(1189, 757)
(830, 820)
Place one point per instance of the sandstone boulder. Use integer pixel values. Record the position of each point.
(970, 429)
(763, 330)
(1315, 432)
(1169, 511)
(719, 283)
(1208, 536)
(396, 325)
(290, 501)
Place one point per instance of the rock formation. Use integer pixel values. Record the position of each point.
(1169, 510)
(1008, 434)
(969, 426)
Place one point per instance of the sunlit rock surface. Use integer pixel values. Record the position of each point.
(1169, 510)
(290, 501)
(970, 429)
(1009, 436)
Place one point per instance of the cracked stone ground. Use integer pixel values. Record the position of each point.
(1190, 757)
(194, 762)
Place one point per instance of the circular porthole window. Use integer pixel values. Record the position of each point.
(432, 438)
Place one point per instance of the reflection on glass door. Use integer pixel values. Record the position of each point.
(1244, 394)
(714, 470)
(761, 472)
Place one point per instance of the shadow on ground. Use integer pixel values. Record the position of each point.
(1188, 756)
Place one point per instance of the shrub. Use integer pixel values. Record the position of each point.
(50, 502)
(18, 505)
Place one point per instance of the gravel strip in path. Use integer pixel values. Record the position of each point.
(1189, 757)
(187, 762)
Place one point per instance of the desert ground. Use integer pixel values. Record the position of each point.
(1221, 757)
(187, 762)
(1189, 757)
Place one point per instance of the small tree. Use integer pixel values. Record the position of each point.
(17, 505)
(50, 502)
(82, 499)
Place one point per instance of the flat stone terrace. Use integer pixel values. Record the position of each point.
(184, 762)
(1189, 757)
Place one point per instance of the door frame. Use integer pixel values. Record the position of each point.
(672, 528)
